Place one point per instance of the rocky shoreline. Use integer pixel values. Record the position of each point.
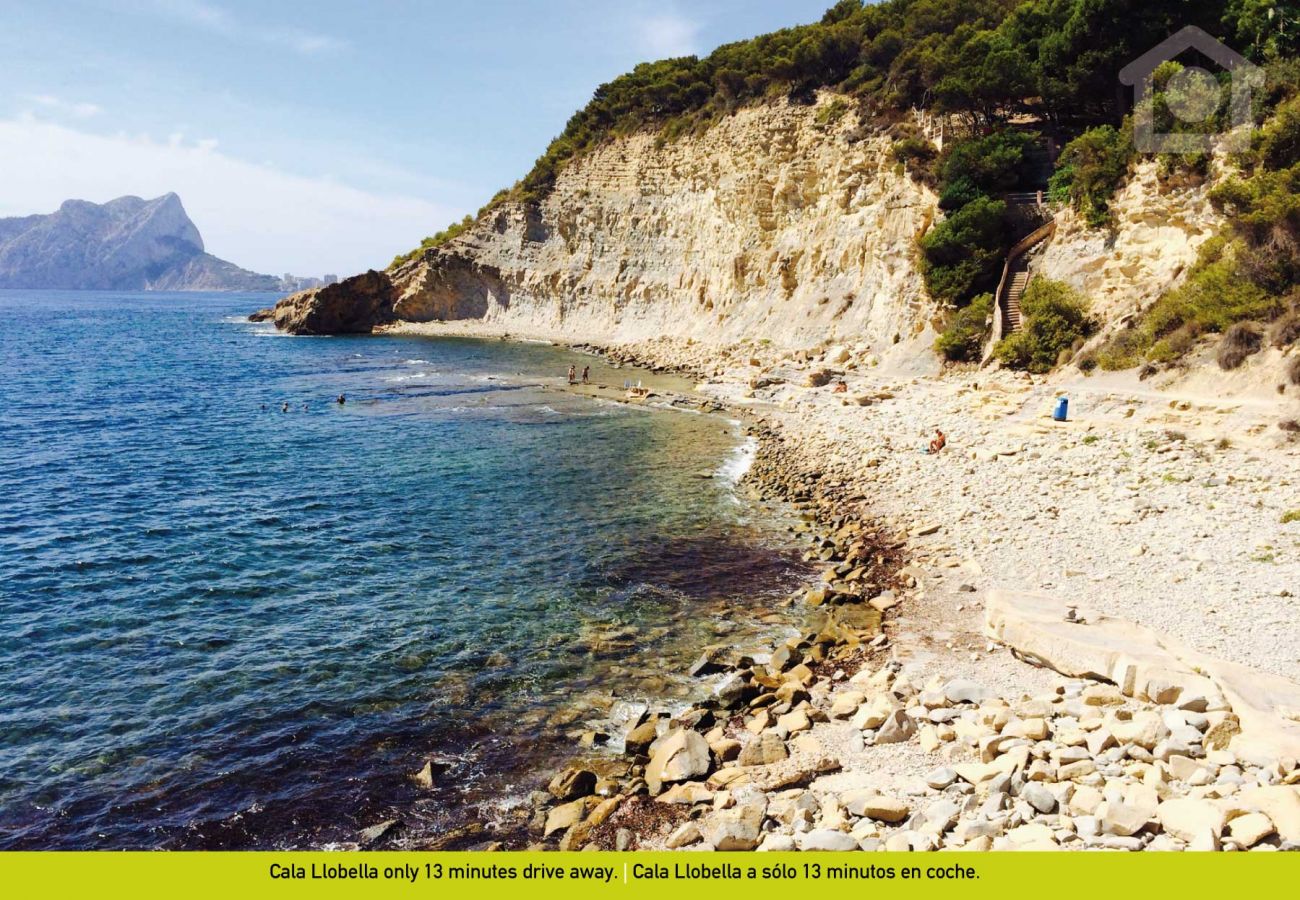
(848, 738)
(623, 801)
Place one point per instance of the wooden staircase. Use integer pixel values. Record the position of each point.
(1015, 279)
(1015, 289)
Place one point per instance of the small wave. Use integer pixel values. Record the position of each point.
(410, 377)
(416, 362)
(738, 461)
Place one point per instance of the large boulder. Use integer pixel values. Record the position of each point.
(572, 783)
(766, 749)
(1190, 819)
(680, 755)
(737, 828)
(352, 306)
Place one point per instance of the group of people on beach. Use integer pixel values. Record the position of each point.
(573, 374)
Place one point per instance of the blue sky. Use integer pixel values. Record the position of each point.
(322, 136)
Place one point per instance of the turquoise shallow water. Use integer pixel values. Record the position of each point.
(225, 625)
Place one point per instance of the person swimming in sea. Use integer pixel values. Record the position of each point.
(284, 407)
(342, 399)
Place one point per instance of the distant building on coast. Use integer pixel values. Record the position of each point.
(293, 283)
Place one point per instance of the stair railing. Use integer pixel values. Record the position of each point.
(1037, 236)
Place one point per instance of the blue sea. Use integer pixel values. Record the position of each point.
(239, 614)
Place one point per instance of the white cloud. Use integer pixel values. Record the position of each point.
(64, 107)
(196, 12)
(252, 214)
(303, 42)
(219, 20)
(668, 34)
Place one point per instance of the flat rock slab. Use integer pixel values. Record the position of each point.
(1081, 643)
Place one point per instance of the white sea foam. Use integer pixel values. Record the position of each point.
(472, 408)
(738, 461)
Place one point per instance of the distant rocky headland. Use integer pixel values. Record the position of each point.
(125, 244)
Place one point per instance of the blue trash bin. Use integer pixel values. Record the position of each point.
(1062, 409)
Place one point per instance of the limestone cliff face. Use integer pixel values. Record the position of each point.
(1154, 241)
(769, 226)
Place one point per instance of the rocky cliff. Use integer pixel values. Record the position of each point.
(771, 225)
(785, 224)
(125, 244)
(353, 306)
(1154, 239)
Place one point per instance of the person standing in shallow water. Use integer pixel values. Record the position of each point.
(573, 374)
(586, 374)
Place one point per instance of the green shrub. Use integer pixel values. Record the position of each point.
(1174, 345)
(1264, 210)
(1243, 277)
(1277, 142)
(988, 165)
(1214, 297)
(1183, 168)
(1286, 330)
(1124, 350)
(968, 329)
(436, 240)
(832, 112)
(956, 194)
(1238, 343)
(916, 152)
(964, 252)
(1054, 317)
(978, 59)
(1291, 516)
(1091, 168)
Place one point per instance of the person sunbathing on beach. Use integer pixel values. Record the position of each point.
(940, 440)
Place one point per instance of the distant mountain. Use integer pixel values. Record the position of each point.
(125, 244)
